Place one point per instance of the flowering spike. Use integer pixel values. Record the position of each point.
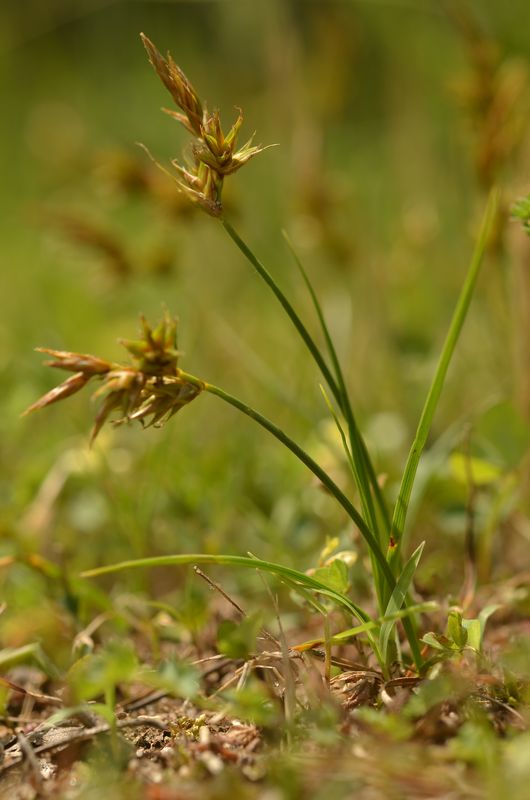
(159, 334)
(234, 130)
(76, 362)
(70, 386)
(214, 154)
(109, 404)
(153, 388)
(177, 85)
(137, 348)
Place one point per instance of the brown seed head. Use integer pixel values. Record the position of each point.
(70, 386)
(153, 387)
(76, 362)
(214, 153)
(178, 86)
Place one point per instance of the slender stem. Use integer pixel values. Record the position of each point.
(264, 273)
(380, 564)
(380, 571)
(361, 458)
(424, 425)
(338, 390)
(306, 459)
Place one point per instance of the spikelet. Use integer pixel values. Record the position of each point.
(214, 154)
(151, 391)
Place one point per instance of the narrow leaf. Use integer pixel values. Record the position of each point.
(366, 627)
(398, 597)
(240, 561)
(424, 425)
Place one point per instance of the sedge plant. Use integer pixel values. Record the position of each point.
(154, 387)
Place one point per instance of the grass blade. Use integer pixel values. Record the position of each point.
(266, 276)
(366, 627)
(281, 571)
(397, 599)
(336, 420)
(424, 425)
(364, 471)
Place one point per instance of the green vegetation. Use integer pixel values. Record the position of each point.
(357, 599)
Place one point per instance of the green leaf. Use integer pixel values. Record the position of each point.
(342, 435)
(307, 581)
(473, 634)
(238, 639)
(358, 456)
(456, 632)
(433, 396)
(335, 575)
(398, 598)
(436, 641)
(475, 627)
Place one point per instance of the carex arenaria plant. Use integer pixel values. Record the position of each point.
(154, 387)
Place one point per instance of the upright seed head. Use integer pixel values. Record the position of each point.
(214, 154)
(178, 86)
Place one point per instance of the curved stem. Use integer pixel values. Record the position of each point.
(306, 459)
(338, 389)
(264, 273)
(382, 569)
(360, 453)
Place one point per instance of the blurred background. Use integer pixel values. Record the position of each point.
(393, 119)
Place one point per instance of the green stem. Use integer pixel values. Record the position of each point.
(264, 273)
(338, 390)
(360, 453)
(424, 425)
(382, 569)
(306, 459)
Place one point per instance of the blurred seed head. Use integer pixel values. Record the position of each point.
(494, 94)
